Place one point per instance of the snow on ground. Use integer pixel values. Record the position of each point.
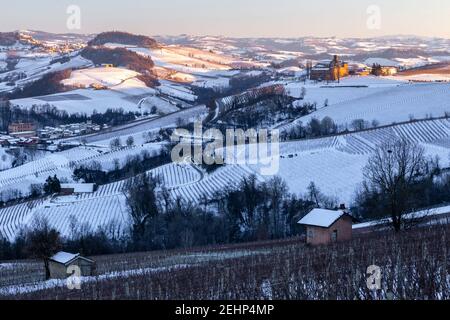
(176, 90)
(348, 89)
(162, 106)
(139, 131)
(332, 95)
(82, 101)
(60, 164)
(35, 67)
(188, 65)
(121, 89)
(104, 208)
(103, 76)
(395, 104)
(54, 283)
(184, 60)
(5, 159)
(334, 164)
(382, 62)
(425, 77)
(336, 173)
(431, 212)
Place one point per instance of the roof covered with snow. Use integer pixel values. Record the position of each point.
(64, 257)
(79, 187)
(321, 217)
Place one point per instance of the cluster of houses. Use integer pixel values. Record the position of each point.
(24, 134)
(68, 130)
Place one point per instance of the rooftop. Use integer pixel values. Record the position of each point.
(321, 217)
(64, 257)
(79, 187)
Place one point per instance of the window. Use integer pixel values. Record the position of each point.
(310, 233)
(334, 235)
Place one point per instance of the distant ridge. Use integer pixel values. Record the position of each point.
(123, 38)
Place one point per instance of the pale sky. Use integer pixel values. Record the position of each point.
(237, 18)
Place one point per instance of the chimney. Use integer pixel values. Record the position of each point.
(342, 206)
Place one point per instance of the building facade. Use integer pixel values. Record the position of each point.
(333, 70)
(327, 226)
(21, 127)
(62, 265)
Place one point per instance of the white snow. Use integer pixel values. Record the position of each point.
(108, 77)
(395, 104)
(432, 212)
(321, 217)
(382, 62)
(64, 257)
(79, 187)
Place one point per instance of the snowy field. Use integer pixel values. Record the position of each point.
(19, 179)
(334, 164)
(105, 208)
(391, 104)
(82, 101)
(34, 67)
(108, 77)
(121, 86)
(202, 68)
(139, 131)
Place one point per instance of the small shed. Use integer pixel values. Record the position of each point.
(327, 226)
(59, 265)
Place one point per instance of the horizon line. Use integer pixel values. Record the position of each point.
(234, 37)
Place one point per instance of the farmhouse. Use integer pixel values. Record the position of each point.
(63, 264)
(77, 188)
(327, 226)
(329, 70)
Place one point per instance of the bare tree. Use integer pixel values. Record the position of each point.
(392, 171)
(142, 201)
(43, 242)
